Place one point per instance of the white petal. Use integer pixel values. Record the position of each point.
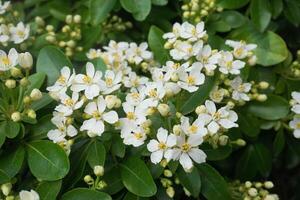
(197, 155)
(162, 135)
(92, 91)
(152, 145)
(156, 157)
(110, 117)
(90, 108)
(213, 127)
(90, 69)
(171, 141)
(185, 161)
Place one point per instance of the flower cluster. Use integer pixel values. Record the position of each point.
(6, 190)
(253, 190)
(16, 34)
(93, 100)
(295, 123)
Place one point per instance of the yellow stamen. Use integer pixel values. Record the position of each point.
(185, 147)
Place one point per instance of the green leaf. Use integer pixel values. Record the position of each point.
(44, 101)
(279, 142)
(274, 108)
(263, 159)
(96, 154)
(118, 147)
(4, 178)
(260, 13)
(191, 181)
(11, 162)
(246, 166)
(219, 153)
(47, 161)
(156, 43)
(40, 130)
(249, 124)
(292, 11)
(198, 97)
(2, 138)
(36, 81)
(50, 61)
(49, 190)
(214, 186)
(232, 4)
(130, 196)
(90, 36)
(113, 180)
(139, 9)
(10, 128)
(85, 193)
(99, 10)
(233, 18)
(271, 48)
(137, 178)
(159, 2)
(276, 8)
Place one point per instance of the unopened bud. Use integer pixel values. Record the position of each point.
(16, 116)
(69, 19)
(39, 21)
(6, 188)
(10, 83)
(268, 184)
(261, 97)
(49, 28)
(16, 72)
(170, 192)
(252, 192)
(24, 82)
(177, 129)
(31, 113)
(200, 109)
(110, 101)
(36, 94)
(26, 100)
(168, 173)
(101, 184)
(77, 19)
(240, 142)
(223, 140)
(163, 109)
(98, 170)
(248, 184)
(88, 179)
(263, 85)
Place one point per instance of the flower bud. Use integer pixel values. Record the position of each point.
(163, 109)
(150, 111)
(200, 109)
(24, 82)
(223, 140)
(118, 103)
(11, 197)
(69, 19)
(263, 85)
(6, 188)
(261, 97)
(248, 184)
(110, 101)
(49, 28)
(252, 192)
(102, 184)
(77, 19)
(39, 21)
(31, 113)
(16, 116)
(16, 72)
(252, 60)
(177, 129)
(10, 83)
(268, 184)
(36, 94)
(98, 170)
(168, 173)
(240, 142)
(26, 100)
(170, 192)
(88, 179)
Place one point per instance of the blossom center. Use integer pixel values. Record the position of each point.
(69, 102)
(216, 116)
(5, 60)
(298, 125)
(87, 79)
(61, 79)
(162, 146)
(185, 147)
(138, 135)
(193, 129)
(109, 81)
(131, 115)
(96, 115)
(191, 80)
(153, 93)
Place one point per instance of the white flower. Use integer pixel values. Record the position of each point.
(136, 54)
(116, 47)
(187, 150)
(208, 58)
(228, 65)
(197, 127)
(90, 82)
(8, 61)
(192, 33)
(4, 7)
(133, 80)
(191, 77)
(19, 33)
(295, 124)
(93, 53)
(29, 195)
(135, 97)
(133, 134)
(217, 94)
(184, 50)
(4, 33)
(161, 148)
(172, 36)
(63, 129)
(241, 49)
(215, 119)
(95, 125)
(296, 98)
(63, 82)
(135, 113)
(69, 104)
(240, 89)
(155, 91)
(112, 81)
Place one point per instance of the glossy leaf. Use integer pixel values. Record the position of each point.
(85, 193)
(139, 9)
(232, 4)
(96, 154)
(12, 161)
(191, 181)
(48, 190)
(47, 161)
(260, 13)
(50, 61)
(99, 10)
(136, 177)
